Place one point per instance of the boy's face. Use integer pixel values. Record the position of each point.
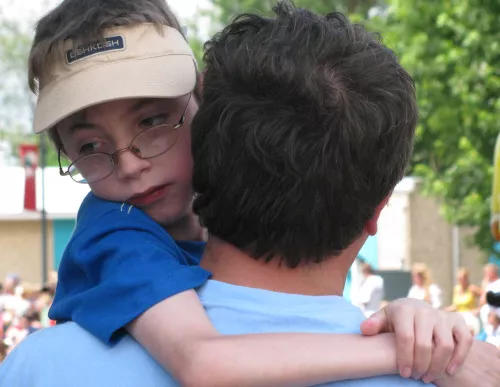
(161, 186)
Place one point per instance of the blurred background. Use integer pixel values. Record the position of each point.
(434, 238)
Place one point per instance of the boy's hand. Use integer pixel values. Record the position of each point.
(429, 342)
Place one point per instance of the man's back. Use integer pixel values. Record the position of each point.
(79, 360)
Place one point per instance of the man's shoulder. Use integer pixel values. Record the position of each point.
(55, 335)
(61, 341)
(68, 355)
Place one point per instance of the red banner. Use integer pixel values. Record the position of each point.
(29, 160)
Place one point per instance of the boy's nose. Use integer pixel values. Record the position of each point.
(130, 166)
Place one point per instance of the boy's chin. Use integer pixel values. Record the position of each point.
(167, 217)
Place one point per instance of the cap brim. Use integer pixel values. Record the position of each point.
(168, 76)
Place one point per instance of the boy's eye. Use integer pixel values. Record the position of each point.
(89, 148)
(156, 120)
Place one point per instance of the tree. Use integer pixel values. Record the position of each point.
(452, 49)
(224, 10)
(14, 93)
(229, 8)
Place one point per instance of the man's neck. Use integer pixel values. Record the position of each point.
(230, 265)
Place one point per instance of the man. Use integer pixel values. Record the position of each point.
(490, 283)
(306, 126)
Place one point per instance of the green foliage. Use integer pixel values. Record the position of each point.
(229, 8)
(14, 93)
(224, 10)
(452, 49)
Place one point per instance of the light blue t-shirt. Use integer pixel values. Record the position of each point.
(67, 355)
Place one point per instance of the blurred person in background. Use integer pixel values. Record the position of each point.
(45, 299)
(371, 291)
(355, 275)
(3, 351)
(8, 297)
(493, 329)
(466, 300)
(25, 325)
(42, 305)
(423, 288)
(490, 283)
(24, 310)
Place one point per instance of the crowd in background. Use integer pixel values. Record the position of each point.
(23, 310)
(468, 299)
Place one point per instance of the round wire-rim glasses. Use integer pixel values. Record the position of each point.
(153, 142)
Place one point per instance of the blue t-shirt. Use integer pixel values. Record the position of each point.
(67, 355)
(119, 263)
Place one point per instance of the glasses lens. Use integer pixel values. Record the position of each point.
(91, 168)
(155, 141)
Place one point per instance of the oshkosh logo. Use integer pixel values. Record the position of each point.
(111, 43)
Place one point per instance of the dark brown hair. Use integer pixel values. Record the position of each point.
(305, 127)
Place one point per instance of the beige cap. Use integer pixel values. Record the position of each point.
(132, 62)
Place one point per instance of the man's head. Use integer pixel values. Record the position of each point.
(106, 72)
(306, 126)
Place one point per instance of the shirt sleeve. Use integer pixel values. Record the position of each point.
(115, 269)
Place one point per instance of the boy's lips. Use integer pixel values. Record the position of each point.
(148, 197)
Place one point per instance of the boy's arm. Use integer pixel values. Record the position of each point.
(190, 348)
(197, 355)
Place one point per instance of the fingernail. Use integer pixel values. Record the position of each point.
(406, 372)
(426, 379)
(452, 369)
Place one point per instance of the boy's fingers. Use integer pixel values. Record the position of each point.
(424, 330)
(404, 329)
(377, 323)
(444, 346)
(464, 341)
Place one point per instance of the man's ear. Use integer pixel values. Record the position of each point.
(371, 226)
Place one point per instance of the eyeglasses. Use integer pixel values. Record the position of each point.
(150, 143)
